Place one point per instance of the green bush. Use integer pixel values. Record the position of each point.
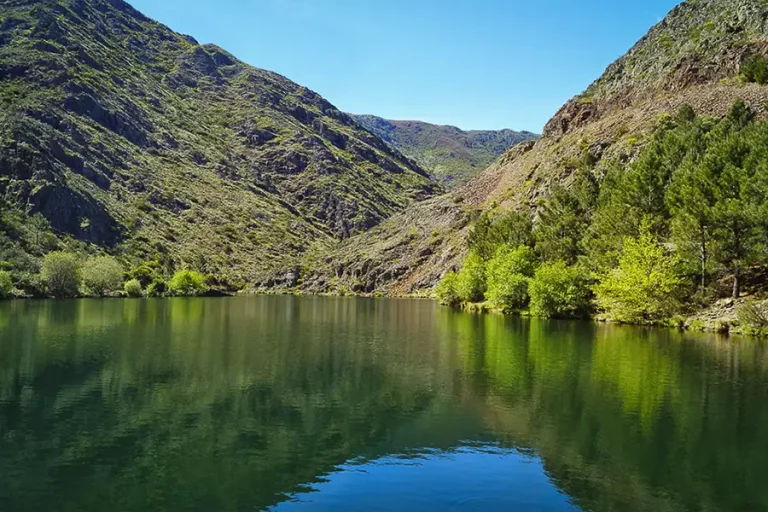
(446, 291)
(145, 273)
(753, 318)
(187, 283)
(508, 275)
(102, 275)
(6, 284)
(559, 291)
(157, 288)
(470, 281)
(60, 273)
(133, 288)
(755, 69)
(645, 286)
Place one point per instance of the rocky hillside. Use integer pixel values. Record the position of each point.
(451, 155)
(706, 53)
(124, 134)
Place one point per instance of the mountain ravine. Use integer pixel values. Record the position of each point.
(696, 56)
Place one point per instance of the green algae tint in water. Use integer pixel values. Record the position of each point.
(304, 404)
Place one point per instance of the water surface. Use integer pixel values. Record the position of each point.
(332, 404)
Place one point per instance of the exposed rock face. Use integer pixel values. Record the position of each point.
(125, 134)
(699, 42)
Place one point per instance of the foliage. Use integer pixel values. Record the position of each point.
(559, 291)
(645, 286)
(508, 274)
(187, 283)
(565, 217)
(60, 273)
(133, 288)
(446, 290)
(470, 281)
(492, 231)
(102, 275)
(753, 318)
(6, 284)
(755, 69)
(157, 288)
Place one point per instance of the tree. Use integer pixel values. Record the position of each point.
(470, 281)
(559, 291)
(102, 275)
(60, 273)
(691, 197)
(736, 198)
(645, 286)
(565, 218)
(187, 283)
(489, 232)
(6, 284)
(508, 274)
(446, 292)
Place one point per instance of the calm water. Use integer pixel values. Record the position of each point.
(332, 404)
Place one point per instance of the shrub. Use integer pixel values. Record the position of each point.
(508, 274)
(6, 284)
(446, 290)
(102, 275)
(157, 288)
(644, 288)
(559, 291)
(755, 69)
(145, 273)
(470, 281)
(61, 274)
(133, 288)
(187, 283)
(753, 318)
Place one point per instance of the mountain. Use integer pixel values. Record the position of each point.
(128, 136)
(706, 54)
(451, 155)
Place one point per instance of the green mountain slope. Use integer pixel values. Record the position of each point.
(448, 153)
(124, 134)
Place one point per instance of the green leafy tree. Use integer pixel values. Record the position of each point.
(645, 286)
(187, 283)
(559, 291)
(60, 273)
(490, 232)
(133, 288)
(446, 291)
(508, 274)
(564, 219)
(471, 281)
(691, 197)
(102, 275)
(6, 284)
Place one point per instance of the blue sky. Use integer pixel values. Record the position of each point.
(476, 64)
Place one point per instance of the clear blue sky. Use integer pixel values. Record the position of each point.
(476, 64)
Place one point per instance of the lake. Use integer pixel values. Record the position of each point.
(341, 404)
